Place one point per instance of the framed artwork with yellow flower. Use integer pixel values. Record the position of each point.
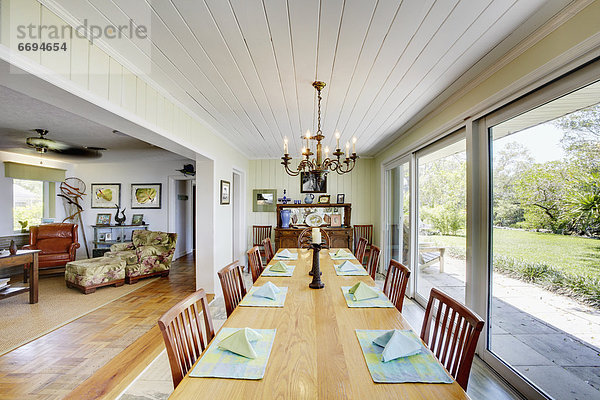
(145, 195)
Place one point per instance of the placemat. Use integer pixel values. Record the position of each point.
(422, 367)
(348, 257)
(254, 301)
(218, 363)
(381, 301)
(294, 257)
(268, 272)
(360, 271)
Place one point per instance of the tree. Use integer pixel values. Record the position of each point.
(581, 140)
(509, 164)
(542, 190)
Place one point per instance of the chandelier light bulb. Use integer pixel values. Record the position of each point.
(354, 144)
(285, 145)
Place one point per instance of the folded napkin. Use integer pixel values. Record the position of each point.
(362, 291)
(285, 253)
(341, 253)
(279, 266)
(396, 344)
(347, 266)
(268, 290)
(239, 342)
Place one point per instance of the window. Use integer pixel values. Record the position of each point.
(28, 203)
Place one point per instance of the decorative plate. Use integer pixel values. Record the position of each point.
(314, 220)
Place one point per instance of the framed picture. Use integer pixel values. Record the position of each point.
(137, 219)
(146, 195)
(225, 192)
(101, 236)
(311, 182)
(264, 200)
(341, 197)
(324, 199)
(106, 195)
(336, 220)
(108, 236)
(103, 219)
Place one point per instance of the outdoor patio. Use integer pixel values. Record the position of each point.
(550, 338)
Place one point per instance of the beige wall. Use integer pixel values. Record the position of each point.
(581, 28)
(356, 185)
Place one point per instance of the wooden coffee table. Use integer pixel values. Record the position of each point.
(22, 257)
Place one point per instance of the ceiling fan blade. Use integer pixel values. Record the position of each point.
(76, 151)
(40, 142)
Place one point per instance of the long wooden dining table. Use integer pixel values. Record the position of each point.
(315, 354)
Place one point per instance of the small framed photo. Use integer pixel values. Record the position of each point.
(145, 195)
(101, 236)
(225, 192)
(106, 195)
(264, 200)
(324, 199)
(108, 236)
(341, 197)
(336, 220)
(137, 219)
(103, 219)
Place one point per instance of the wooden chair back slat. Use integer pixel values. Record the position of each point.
(268, 246)
(232, 283)
(361, 249)
(373, 261)
(364, 231)
(395, 284)
(451, 334)
(255, 262)
(305, 238)
(182, 332)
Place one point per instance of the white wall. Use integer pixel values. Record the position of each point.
(126, 173)
(357, 186)
(6, 188)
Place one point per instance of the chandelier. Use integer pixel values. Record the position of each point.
(318, 164)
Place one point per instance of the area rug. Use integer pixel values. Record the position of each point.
(155, 382)
(58, 305)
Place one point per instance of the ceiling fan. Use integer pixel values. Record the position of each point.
(42, 145)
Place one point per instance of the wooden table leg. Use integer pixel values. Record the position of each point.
(33, 280)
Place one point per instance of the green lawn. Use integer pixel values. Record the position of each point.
(567, 253)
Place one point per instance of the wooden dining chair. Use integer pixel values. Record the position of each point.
(363, 231)
(255, 262)
(451, 331)
(373, 261)
(181, 328)
(395, 284)
(305, 238)
(268, 246)
(361, 248)
(260, 233)
(232, 283)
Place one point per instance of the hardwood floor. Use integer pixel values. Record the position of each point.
(54, 365)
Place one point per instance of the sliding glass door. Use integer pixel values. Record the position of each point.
(398, 214)
(544, 294)
(441, 217)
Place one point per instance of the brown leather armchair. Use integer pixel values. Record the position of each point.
(57, 242)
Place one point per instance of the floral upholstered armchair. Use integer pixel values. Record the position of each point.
(149, 254)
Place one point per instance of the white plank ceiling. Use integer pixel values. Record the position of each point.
(246, 66)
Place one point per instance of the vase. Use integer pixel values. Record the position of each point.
(285, 218)
(309, 198)
(12, 248)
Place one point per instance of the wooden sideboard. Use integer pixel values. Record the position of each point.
(339, 236)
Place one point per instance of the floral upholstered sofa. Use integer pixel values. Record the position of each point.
(148, 254)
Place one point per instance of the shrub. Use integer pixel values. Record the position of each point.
(447, 219)
(584, 287)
